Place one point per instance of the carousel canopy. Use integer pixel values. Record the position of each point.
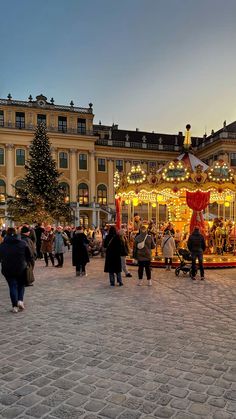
(192, 161)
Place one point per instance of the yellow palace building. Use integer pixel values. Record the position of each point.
(88, 154)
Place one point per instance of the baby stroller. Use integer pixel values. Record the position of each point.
(185, 265)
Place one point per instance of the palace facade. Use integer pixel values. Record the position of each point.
(88, 154)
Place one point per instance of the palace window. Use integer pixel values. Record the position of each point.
(101, 165)
(66, 190)
(62, 123)
(136, 162)
(20, 157)
(120, 165)
(20, 119)
(41, 119)
(63, 160)
(102, 194)
(1, 156)
(18, 185)
(2, 190)
(83, 165)
(81, 126)
(233, 159)
(83, 194)
(1, 119)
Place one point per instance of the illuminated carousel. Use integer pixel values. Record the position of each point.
(182, 194)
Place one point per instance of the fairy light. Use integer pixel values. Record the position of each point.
(136, 175)
(116, 180)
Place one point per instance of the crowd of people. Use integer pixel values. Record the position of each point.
(20, 248)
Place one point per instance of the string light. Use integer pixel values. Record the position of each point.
(116, 180)
(136, 175)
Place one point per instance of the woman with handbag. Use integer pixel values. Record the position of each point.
(143, 245)
(15, 255)
(168, 249)
(112, 245)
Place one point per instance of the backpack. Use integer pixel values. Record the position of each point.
(141, 244)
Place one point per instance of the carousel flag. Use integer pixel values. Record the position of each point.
(197, 201)
(118, 213)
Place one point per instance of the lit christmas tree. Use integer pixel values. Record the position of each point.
(39, 198)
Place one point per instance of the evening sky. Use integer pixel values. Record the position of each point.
(149, 64)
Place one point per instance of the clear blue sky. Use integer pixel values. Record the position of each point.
(151, 64)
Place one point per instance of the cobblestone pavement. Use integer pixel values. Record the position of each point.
(84, 350)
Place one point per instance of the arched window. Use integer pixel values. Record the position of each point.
(83, 194)
(102, 194)
(63, 160)
(19, 183)
(66, 189)
(2, 190)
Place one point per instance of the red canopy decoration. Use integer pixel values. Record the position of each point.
(118, 213)
(197, 201)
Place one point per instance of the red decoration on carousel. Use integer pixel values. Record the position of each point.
(118, 213)
(197, 201)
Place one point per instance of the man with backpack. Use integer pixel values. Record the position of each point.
(143, 245)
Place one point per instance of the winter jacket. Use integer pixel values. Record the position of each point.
(80, 254)
(31, 246)
(196, 242)
(168, 246)
(60, 242)
(112, 245)
(14, 256)
(144, 254)
(47, 239)
(124, 246)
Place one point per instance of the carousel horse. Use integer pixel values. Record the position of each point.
(220, 236)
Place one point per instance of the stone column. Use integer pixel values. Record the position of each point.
(10, 163)
(54, 153)
(73, 174)
(127, 166)
(111, 192)
(92, 175)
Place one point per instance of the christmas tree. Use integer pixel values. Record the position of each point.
(39, 197)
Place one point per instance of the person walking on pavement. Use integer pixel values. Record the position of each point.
(14, 256)
(124, 252)
(168, 249)
(80, 256)
(143, 245)
(112, 245)
(60, 243)
(38, 233)
(197, 246)
(47, 239)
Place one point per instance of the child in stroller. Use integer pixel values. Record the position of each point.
(185, 265)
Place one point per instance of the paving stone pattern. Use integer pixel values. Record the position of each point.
(85, 350)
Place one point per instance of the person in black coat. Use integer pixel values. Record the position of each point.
(38, 233)
(14, 256)
(80, 256)
(112, 244)
(196, 244)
